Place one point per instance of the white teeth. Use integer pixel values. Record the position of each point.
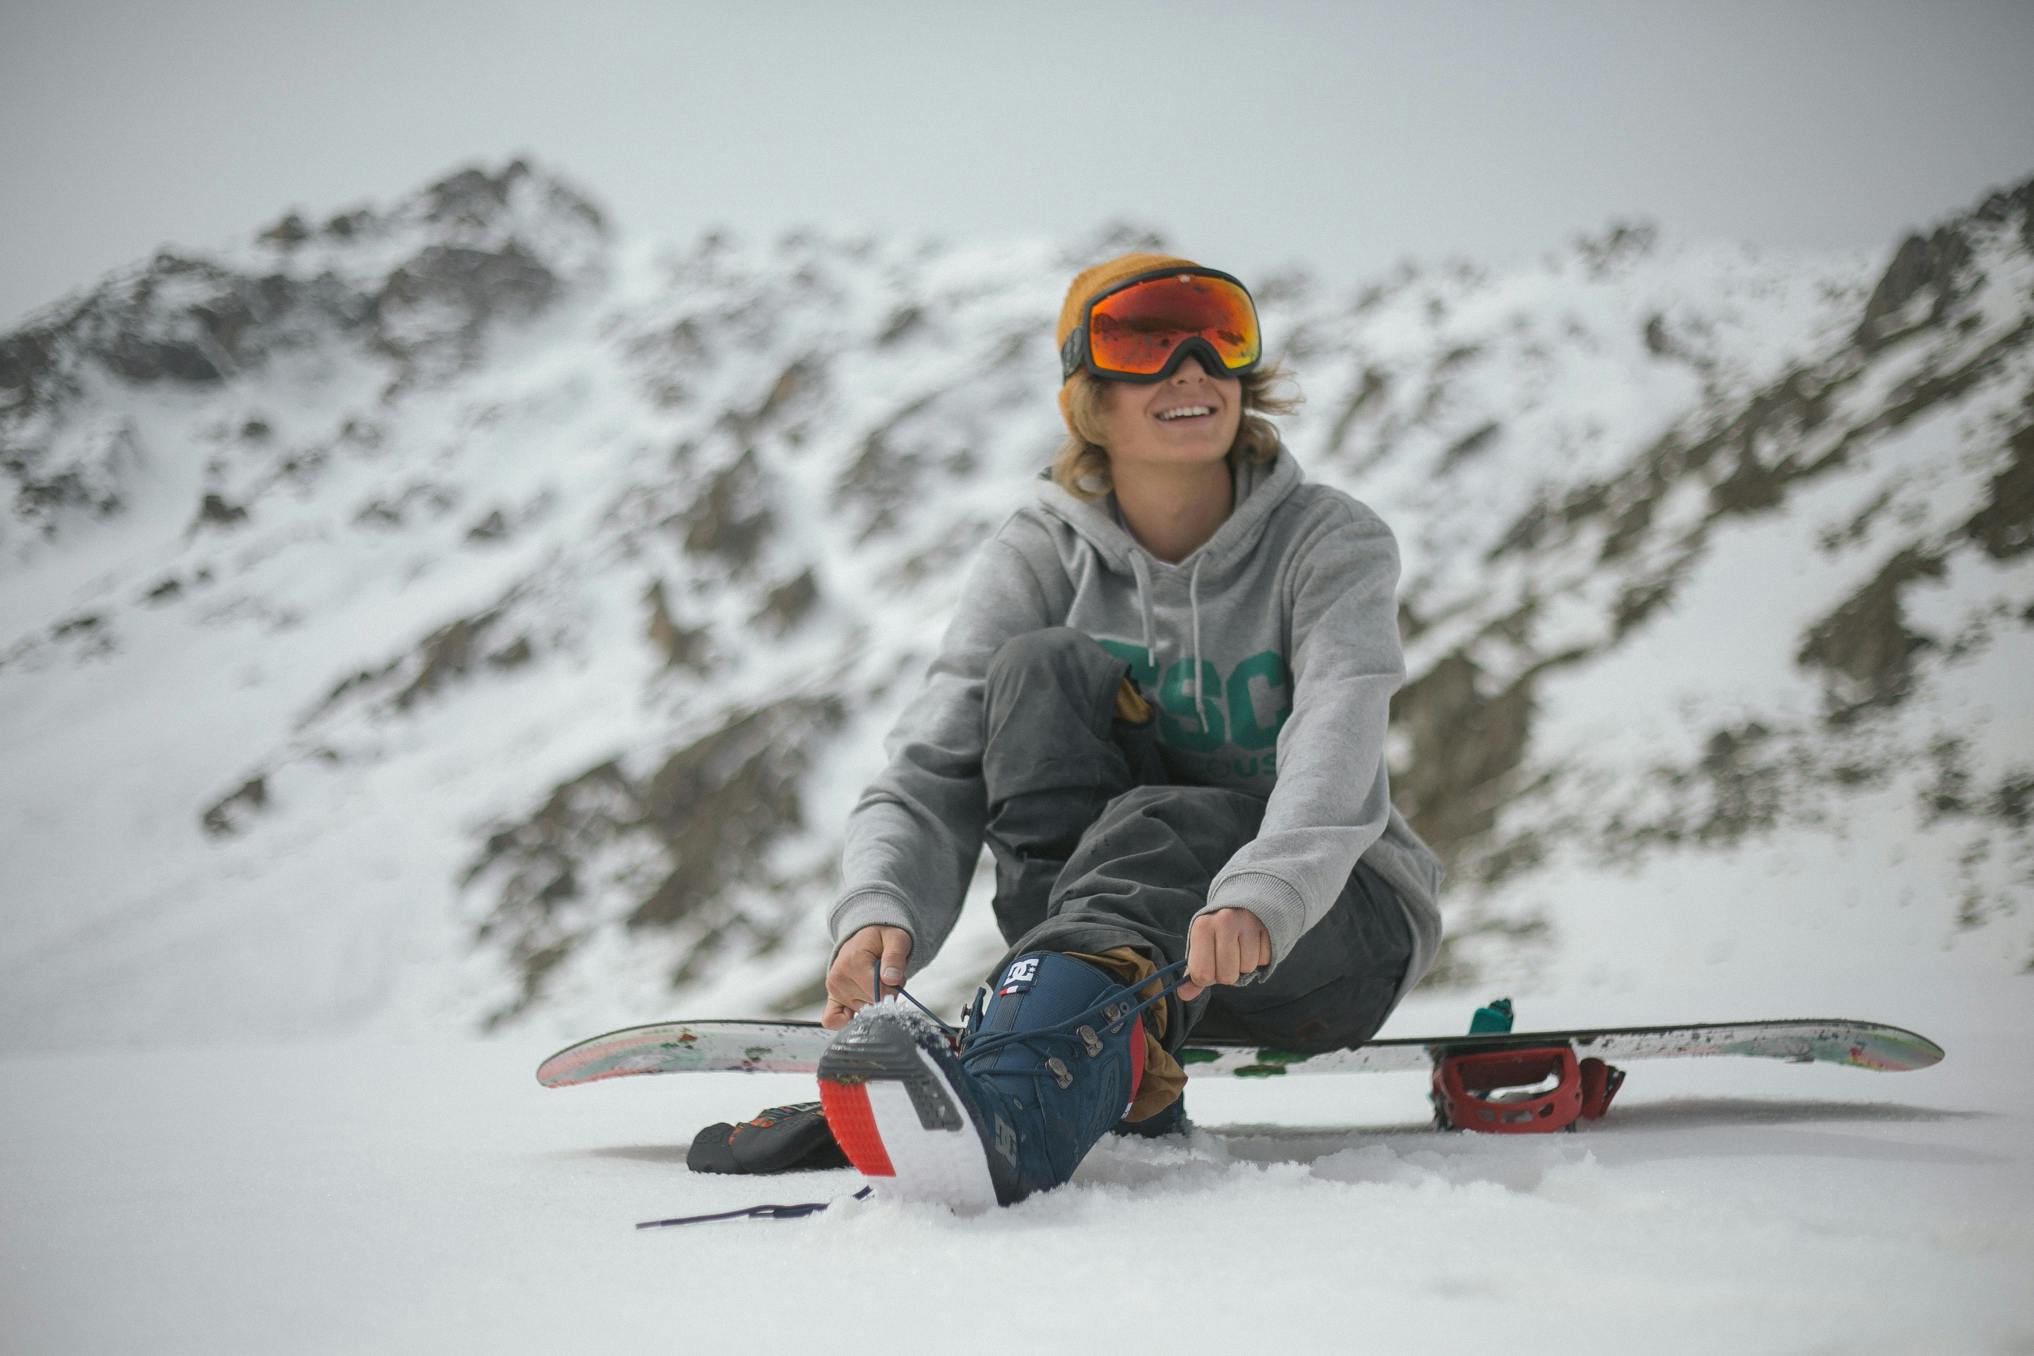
(1185, 411)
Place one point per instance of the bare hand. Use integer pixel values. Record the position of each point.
(849, 977)
(1222, 947)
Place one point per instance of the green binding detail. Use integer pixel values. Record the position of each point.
(1260, 1070)
(1494, 1018)
(1195, 1055)
(1269, 1056)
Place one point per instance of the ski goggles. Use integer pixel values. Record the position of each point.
(1145, 326)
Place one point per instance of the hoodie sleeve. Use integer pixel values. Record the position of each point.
(1331, 799)
(914, 836)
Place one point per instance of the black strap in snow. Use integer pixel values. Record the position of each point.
(753, 1212)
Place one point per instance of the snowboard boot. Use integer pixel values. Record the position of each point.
(1044, 1072)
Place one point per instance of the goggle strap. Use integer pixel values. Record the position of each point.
(1072, 352)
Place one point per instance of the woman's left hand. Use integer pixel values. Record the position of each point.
(1222, 947)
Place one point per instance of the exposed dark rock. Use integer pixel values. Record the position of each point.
(93, 480)
(732, 519)
(718, 802)
(217, 511)
(1469, 444)
(2005, 525)
(354, 682)
(491, 528)
(1657, 342)
(28, 368)
(229, 814)
(1933, 264)
(1746, 789)
(291, 230)
(434, 500)
(347, 225)
(666, 357)
(1751, 486)
(887, 471)
(1859, 526)
(1455, 356)
(447, 653)
(165, 590)
(710, 813)
(879, 481)
(1372, 388)
(473, 197)
(789, 603)
(513, 655)
(797, 385)
(1465, 748)
(1619, 242)
(1865, 647)
(680, 647)
(437, 305)
(1638, 602)
(1949, 793)
(902, 324)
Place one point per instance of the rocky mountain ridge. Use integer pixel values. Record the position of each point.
(459, 611)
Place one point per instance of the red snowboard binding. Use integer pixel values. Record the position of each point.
(1528, 1090)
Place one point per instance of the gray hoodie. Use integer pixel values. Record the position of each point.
(1289, 615)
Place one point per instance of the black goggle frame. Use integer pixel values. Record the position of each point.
(1076, 356)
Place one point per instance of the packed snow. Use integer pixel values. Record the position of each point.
(345, 1196)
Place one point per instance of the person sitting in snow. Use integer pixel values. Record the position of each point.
(1162, 702)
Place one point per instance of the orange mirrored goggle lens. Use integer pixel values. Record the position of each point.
(1135, 330)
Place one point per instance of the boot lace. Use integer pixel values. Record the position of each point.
(1113, 1010)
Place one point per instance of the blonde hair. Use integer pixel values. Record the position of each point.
(1081, 465)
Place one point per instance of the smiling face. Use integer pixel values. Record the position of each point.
(1189, 419)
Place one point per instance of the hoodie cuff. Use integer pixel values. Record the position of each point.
(874, 908)
(1277, 905)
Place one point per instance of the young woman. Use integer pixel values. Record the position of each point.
(1162, 703)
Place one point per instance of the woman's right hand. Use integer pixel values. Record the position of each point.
(854, 965)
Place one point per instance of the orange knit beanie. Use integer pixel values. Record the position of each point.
(1100, 278)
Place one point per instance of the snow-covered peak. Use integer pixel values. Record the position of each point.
(451, 612)
(414, 287)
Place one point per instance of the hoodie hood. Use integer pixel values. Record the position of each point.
(1260, 487)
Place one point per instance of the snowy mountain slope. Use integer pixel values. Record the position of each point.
(457, 613)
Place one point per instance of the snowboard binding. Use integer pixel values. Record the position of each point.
(1519, 1091)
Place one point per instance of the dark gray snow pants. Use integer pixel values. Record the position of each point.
(1095, 848)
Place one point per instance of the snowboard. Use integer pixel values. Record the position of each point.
(795, 1047)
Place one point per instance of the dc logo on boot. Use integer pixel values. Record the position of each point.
(1006, 1141)
(1020, 977)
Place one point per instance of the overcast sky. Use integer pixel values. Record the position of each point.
(1344, 136)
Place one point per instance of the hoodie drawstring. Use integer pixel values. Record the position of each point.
(1194, 609)
(1143, 573)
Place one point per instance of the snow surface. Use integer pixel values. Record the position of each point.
(349, 1196)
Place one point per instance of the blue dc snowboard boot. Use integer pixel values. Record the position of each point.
(1041, 1075)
